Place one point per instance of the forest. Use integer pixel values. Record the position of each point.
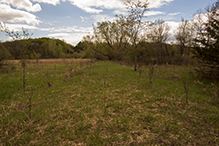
(41, 48)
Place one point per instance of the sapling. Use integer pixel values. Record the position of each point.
(151, 73)
(186, 84)
(140, 70)
(23, 64)
(24, 56)
(30, 104)
(105, 76)
(81, 65)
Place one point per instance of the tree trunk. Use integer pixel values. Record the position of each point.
(24, 66)
(182, 49)
(135, 68)
(167, 51)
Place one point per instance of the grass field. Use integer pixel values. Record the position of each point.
(108, 104)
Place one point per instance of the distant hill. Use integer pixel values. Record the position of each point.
(41, 48)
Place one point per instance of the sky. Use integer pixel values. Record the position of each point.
(70, 20)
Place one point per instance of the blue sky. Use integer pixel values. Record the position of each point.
(70, 20)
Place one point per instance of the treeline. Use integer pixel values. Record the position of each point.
(40, 48)
(47, 48)
(148, 52)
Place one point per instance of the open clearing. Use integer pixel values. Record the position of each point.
(107, 104)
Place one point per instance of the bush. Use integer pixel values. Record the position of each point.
(4, 55)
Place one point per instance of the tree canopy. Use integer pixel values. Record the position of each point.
(43, 47)
(206, 49)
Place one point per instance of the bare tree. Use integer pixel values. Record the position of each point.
(183, 35)
(159, 32)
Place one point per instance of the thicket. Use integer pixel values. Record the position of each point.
(147, 53)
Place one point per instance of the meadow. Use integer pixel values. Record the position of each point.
(107, 103)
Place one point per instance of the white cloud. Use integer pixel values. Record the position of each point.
(83, 19)
(118, 12)
(71, 38)
(201, 17)
(88, 5)
(173, 14)
(18, 27)
(174, 25)
(68, 29)
(52, 2)
(58, 34)
(91, 10)
(12, 15)
(152, 13)
(23, 4)
(158, 3)
(100, 18)
(97, 6)
(71, 35)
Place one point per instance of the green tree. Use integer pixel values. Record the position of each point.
(117, 37)
(136, 12)
(4, 55)
(206, 49)
(111, 35)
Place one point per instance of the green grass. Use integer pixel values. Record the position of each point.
(107, 104)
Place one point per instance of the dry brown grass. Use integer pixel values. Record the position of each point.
(52, 61)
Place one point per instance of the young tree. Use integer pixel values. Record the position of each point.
(135, 23)
(17, 36)
(206, 49)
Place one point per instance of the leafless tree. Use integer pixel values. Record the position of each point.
(183, 35)
(158, 32)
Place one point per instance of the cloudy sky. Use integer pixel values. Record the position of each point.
(72, 19)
